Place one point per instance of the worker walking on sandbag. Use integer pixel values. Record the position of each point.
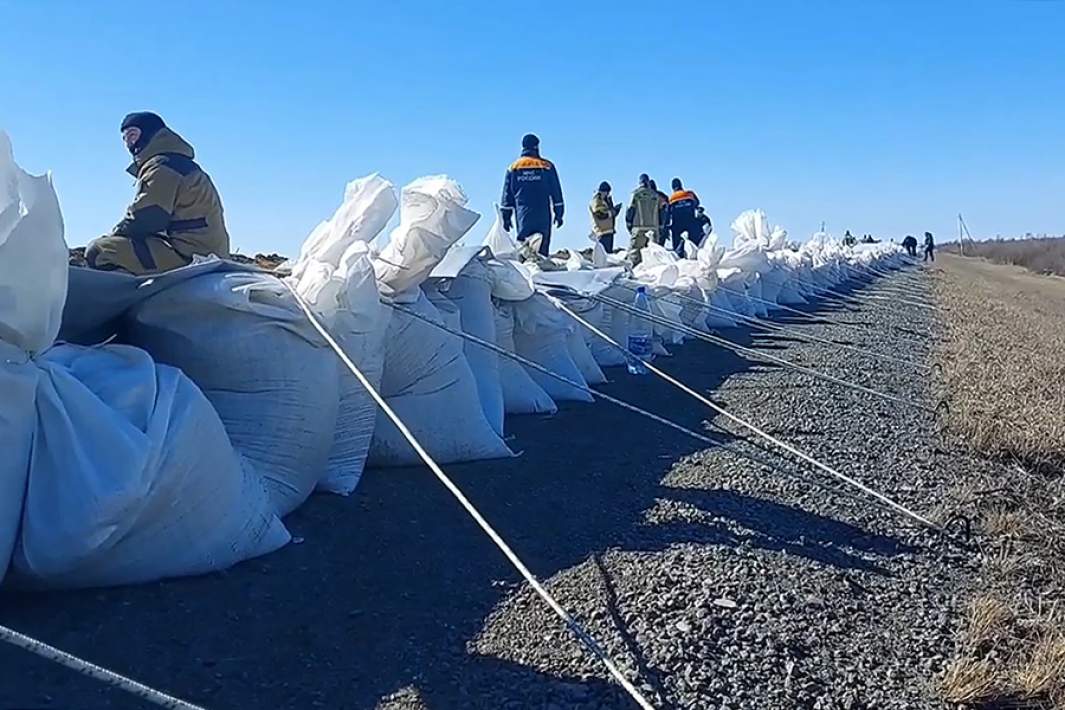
(604, 216)
(929, 247)
(176, 213)
(703, 226)
(682, 220)
(531, 194)
(641, 218)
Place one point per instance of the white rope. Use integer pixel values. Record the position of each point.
(728, 344)
(769, 325)
(747, 425)
(92, 670)
(573, 626)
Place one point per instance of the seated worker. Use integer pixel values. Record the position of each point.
(176, 212)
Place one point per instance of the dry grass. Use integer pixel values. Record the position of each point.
(1043, 256)
(1003, 373)
(1003, 363)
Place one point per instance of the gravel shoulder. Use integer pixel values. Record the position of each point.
(722, 577)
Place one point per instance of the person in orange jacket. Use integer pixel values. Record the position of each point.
(682, 218)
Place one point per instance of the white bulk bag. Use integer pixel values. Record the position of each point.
(33, 256)
(429, 384)
(521, 394)
(433, 216)
(471, 292)
(132, 477)
(18, 422)
(369, 203)
(245, 342)
(540, 334)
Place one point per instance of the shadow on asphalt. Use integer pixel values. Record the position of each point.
(389, 586)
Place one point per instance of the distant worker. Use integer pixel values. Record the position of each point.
(682, 206)
(663, 215)
(176, 213)
(641, 218)
(910, 245)
(929, 247)
(532, 192)
(848, 239)
(703, 225)
(604, 216)
(868, 239)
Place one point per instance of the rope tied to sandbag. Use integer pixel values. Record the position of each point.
(589, 643)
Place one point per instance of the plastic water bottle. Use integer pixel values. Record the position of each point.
(641, 334)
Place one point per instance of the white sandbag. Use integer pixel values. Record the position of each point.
(369, 203)
(433, 216)
(540, 334)
(272, 379)
(349, 306)
(511, 280)
(132, 477)
(718, 316)
(429, 384)
(33, 256)
(498, 241)
(521, 394)
(471, 292)
(18, 421)
(615, 323)
(577, 343)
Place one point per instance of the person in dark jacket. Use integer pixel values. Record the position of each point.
(663, 214)
(848, 239)
(929, 247)
(531, 193)
(910, 245)
(176, 214)
(682, 220)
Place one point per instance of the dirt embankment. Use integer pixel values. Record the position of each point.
(1003, 373)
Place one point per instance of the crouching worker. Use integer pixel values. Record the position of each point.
(176, 212)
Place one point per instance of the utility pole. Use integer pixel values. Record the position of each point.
(963, 228)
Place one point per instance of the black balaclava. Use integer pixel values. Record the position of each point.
(604, 186)
(530, 144)
(149, 123)
(677, 184)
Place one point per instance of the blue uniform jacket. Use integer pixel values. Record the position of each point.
(531, 189)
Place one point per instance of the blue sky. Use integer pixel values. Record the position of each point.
(882, 116)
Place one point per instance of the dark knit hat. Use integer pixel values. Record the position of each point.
(149, 123)
(604, 186)
(677, 184)
(529, 141)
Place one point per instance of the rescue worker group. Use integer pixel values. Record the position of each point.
(177, 212)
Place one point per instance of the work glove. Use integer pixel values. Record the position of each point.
(558, 221)
(507, 220)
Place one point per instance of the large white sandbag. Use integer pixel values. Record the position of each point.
(429, 384)
(369, 203)
(471, 292)
(18, 420)
(132, 477)
(521, 394)
(498, 241)
(33, 256)
(540, 334)
(511, 280)
(433, 216)
(272, 379)
(578, 339)
(349, 305)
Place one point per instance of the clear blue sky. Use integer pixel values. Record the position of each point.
(883, 116)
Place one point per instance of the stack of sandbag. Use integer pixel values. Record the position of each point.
(427, 379)
(541, 334)
(116, 470)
